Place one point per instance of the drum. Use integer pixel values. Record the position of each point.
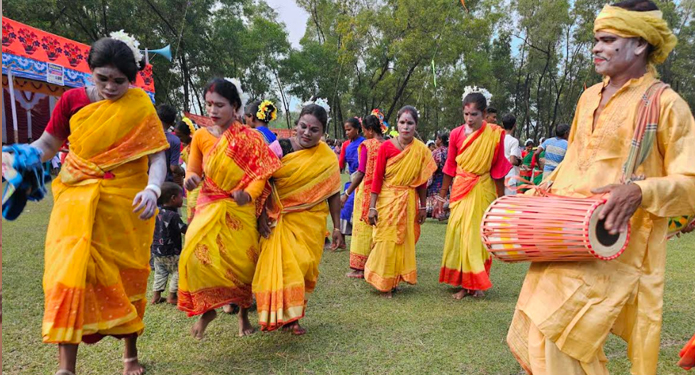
(522, 228)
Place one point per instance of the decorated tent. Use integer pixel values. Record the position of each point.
(37, 68)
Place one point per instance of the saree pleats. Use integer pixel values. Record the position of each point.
(392, 259)
(219, 258)
(97, 249)
(287, 269)
(362, 232)
(465, 262)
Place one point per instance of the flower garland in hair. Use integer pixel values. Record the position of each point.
(129, 41)
(267, 111)
(321, 102)
(244, 97)
(477, 90)
(380, 115)
(191, 126)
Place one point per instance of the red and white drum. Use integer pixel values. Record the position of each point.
(524, 228)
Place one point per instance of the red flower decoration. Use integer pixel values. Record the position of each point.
(29, 40)
(52, 47)
(8, 35)
(74, 53)
(146, 75)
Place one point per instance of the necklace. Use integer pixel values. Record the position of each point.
(398, 139)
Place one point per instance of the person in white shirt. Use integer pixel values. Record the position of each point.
(512, 151)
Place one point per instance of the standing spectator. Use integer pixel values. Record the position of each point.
(167, 115)
(166, 244)
(491, 117)
(511, 151)
(555, 149)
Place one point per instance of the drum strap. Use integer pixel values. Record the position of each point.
(645, 131)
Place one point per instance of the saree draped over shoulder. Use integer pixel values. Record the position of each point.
(361, 243)
(219, 257)
(98, 250)
(392, 259)
(288, 267)
(465, 262)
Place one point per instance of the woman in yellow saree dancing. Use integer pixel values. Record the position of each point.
(398, 205)
(185, 130)
(476, 158)
(98, 247)
(361, 244)
(288, 266)
(219, 258)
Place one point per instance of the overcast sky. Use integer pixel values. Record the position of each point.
(293, 17)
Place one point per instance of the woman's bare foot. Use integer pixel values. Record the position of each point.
(230, 309)
(294, 328)
(67, 358)
(245, 327)
(460, 294)
(355, 274)
(388, 294)
(476, 293)
(131, 366)
(198, 330)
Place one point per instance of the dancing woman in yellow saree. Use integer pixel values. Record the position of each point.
(288, 266)
(476, 159)
(361, 244)
(398, 205)
(97, 246)
(218, 261)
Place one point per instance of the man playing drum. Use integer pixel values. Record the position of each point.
(566, 309)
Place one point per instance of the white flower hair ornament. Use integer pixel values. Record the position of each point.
(323, 103)
(244, 97)
(477, 90)
(129, 41)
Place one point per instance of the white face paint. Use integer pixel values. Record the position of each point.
(110, 82)
(614, 54)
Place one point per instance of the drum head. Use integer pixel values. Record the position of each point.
(605, 245)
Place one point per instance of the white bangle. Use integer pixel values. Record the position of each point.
(373, 209)
(439, 198)
(155, 189)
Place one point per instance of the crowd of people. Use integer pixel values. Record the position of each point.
(257, 206)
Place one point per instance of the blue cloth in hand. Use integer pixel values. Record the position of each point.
(29, 183)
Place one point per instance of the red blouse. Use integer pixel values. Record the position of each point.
(500, 164)
(387, 150)
(68, 104)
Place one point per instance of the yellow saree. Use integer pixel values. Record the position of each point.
(288, 266)
(361, 242)
(465, 262)
(219, 258)
(98, 250)
(392, 259)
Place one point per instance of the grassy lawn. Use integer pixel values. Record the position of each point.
(351, 329)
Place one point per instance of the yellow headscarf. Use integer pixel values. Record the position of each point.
(649, 26)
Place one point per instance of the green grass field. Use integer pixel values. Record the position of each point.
(351, 329)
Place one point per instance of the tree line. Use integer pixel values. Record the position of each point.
(534, 56)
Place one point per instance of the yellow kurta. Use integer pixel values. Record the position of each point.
(288, 266)
(392, 259)
(97, 249)
(575, 305)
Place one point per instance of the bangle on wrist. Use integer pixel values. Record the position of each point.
(373, 209)
(439, 198)
(155, 189)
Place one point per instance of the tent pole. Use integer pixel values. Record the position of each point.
(10, 81)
